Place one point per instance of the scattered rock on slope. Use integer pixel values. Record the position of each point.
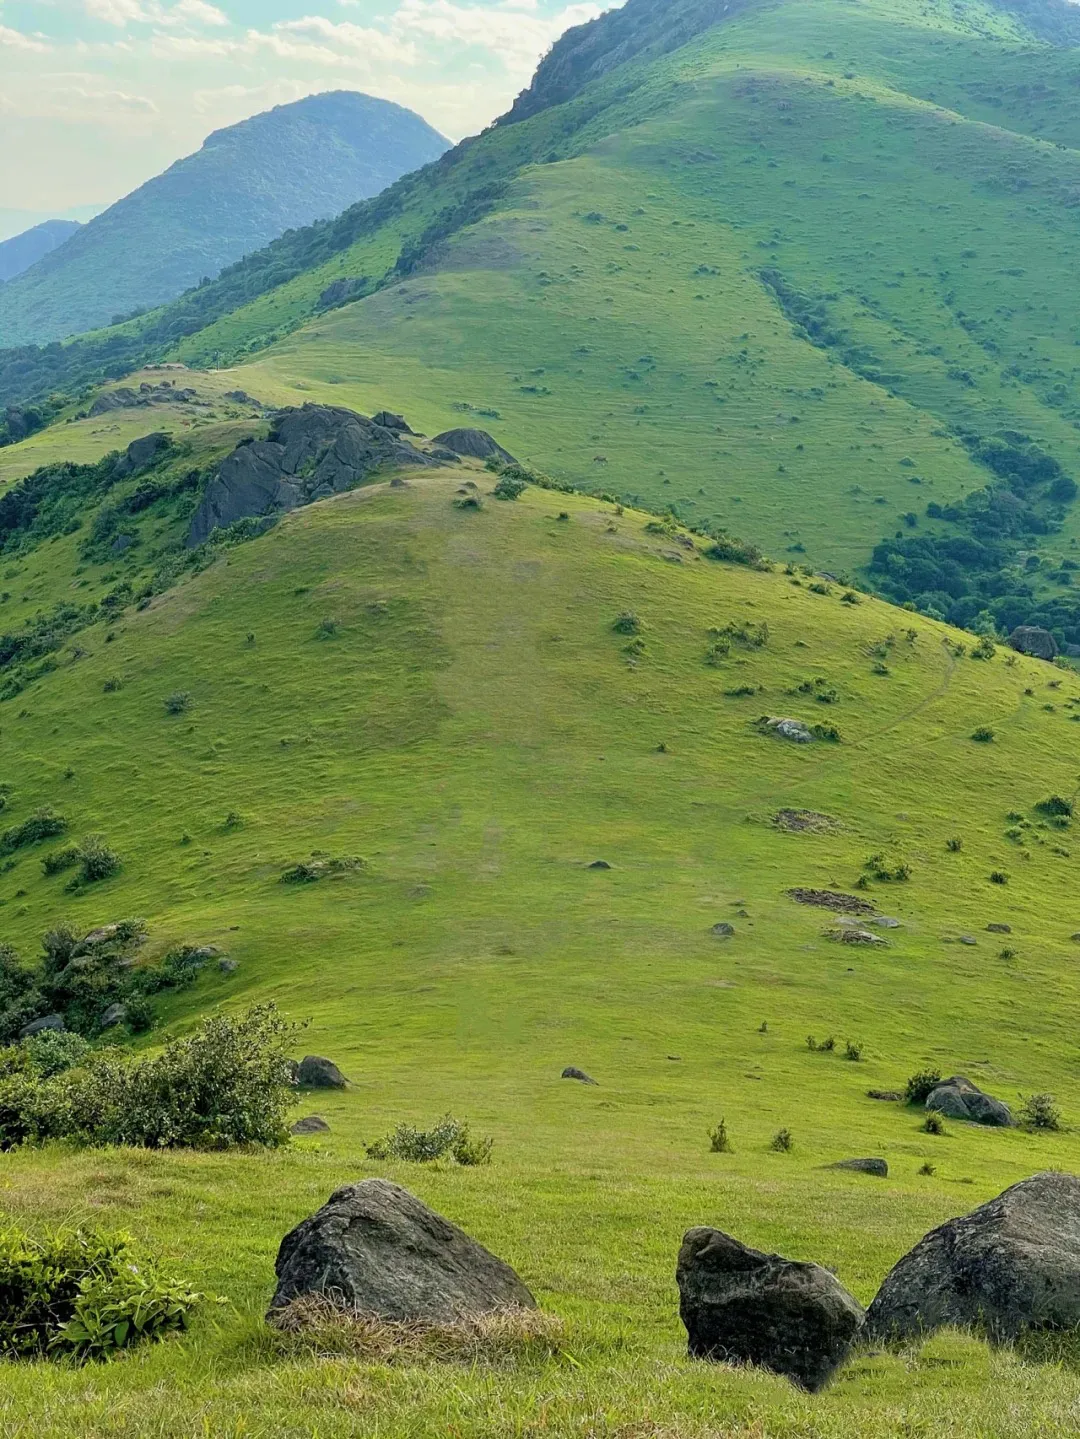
(832, 899)
(740, 1305)
(310, 453)
(1030, 640)
(1010, 1265)
(318, 1073)
(310, 1124)
(126, 398)
(877, 1167)
(474, 445)
(802, 821)
(958, 1098)
(375, 1249)
(789, 729)
(572, 1072)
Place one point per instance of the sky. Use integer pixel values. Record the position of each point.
(97, 96)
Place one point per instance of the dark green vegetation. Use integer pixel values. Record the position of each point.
(22, 251)
(248, 184)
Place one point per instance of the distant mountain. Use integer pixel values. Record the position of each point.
(288, 167)
(22, 251)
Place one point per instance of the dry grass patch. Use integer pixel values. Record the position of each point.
(315, 1328)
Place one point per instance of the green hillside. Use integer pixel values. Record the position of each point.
(473, 726)
(816, 251)
(246, 185)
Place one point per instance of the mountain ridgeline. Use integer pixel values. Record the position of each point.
(247, 184)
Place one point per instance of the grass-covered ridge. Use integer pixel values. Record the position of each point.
(457, 696)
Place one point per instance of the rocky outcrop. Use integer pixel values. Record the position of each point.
(311, 1124)
(742, 1306)
(1012, 1264)
(474, 445)
(1030, 640)
(311, 453)
(374, 1249)
(877, 1167)
(125, 398)
(958, 1098)
(572, 1072)
(141, 454)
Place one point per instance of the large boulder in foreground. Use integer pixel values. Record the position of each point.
(374, 1249)
(958, 1098)
(312, 452)
(1012, 1264)
(742, 1306)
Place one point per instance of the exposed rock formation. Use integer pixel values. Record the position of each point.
(1030, 640)
(958, 1098)
(474, 445)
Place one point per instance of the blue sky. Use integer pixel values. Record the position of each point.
(98, 95)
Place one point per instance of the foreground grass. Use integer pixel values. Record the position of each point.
(474, 727)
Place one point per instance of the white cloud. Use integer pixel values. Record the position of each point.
(16, 40)
(122, 13)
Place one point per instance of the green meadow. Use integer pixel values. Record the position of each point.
(475, 729)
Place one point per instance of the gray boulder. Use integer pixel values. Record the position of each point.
(311, 1124)
(141, 454)
(1012, 1264)
(38, 1026)
(311, 453)
(389, 421)
(877, 1167)
(375, 1249)
(314, 1072)
(474, 445)
(958, 1098)
(572, 1072)
(723, 930)
(742, 1306)
(1030, 640)
(114, 1015)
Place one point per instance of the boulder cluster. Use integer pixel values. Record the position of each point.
(1012, 1265)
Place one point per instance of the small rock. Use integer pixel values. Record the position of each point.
(892, 1095)
(884, 922)
(742, 1306)
(1012, 1264)
(318, 1073)
(474, 444)
(313, 1124)
(878, 1167)
(571, 1072)
(789, 729)
(114, 1015)
(999, 928)
(599, 864)
(228, 966)
(968, 939)
(375, 1249)
(853, 936)
(389, 421)
(958, 1098)
(37, 1026)
(723, 930)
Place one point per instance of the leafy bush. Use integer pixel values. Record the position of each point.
(98, 861)
(60, 860)
(627, 623)
(853, 1051)
(878, 867)
(983, 735)
(998, 876)
(954, 845)
(178, 702)
(420, 1146)
(1055, 807)
(44, 823)
(229, 1083)
(734, 552)
(509, 487)
(928, 1169)
(826, 1046)
(783, 1141)
(310, 871)
(1038, 1111)
(83, 1293)
(53, 1051)
(933, 1124)
(921, 1085)
(719, 1143)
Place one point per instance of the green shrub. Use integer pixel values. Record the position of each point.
(326, 629)
(928, 1169)
(44, 823)
(423, 1146)
(825, 1046)
(83, 1293)
(310, 871)
(933, 1124)
(921, 1085)
(96, 859)
(627, 623)
(178, 703)
(1055, 806)
(998, 876)
(1038, 1111)
(954, 845)
(828, 732)
(468, 502)
(734, 552)
(60, 860)
(509, 487)
(983, 735)
(229, 1083)
(890, 871)
(783, 1141)
(719, 1143)
(53, 1051)
(853, 1051)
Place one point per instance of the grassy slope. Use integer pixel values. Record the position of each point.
(904, 161)
(474, 729)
